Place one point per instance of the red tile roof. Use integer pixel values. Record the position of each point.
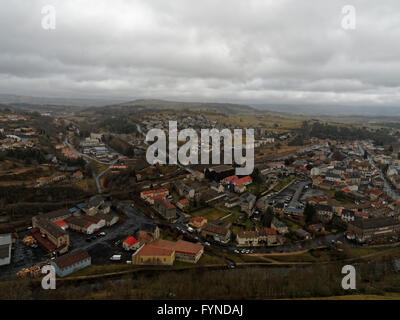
(152, 250)
(130, 241)
(242, 180)
(61, 223)
(231, 178)
(180, 246)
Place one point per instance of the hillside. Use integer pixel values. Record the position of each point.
(143, 104)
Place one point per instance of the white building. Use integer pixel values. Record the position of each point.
(5, 249)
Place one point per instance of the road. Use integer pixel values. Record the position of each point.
(96, 177)
(387, 187)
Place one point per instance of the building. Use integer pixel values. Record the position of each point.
(56, 235)
(324, 211)
(131, 243)
(148, 233)
(198, 222)
(150, 254)
(279, 226)
(216, 232)
(71, 262)
(145, 195)
(267, 236)
(368, 229)
(53, 216)
(247, 203)
(165, 208)
(5, 249)
(184, 251)
(99, 222)
(93, 204)
(81, 225)
(302, 234)
(217, 187)
(110, 219)
(183, 204)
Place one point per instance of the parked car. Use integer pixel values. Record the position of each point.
(116, 257)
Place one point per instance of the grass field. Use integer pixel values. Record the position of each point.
(209, 213)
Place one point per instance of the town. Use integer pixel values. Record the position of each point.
(77, 197)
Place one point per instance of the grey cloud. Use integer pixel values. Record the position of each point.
(252, 51)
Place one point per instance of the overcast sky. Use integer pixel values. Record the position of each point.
(253, 51)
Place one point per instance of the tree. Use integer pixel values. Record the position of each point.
(256, 176)
(310, 213)
(267, 217)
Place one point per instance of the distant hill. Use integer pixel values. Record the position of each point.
(331, 110)
(9, 99)
(179, 105)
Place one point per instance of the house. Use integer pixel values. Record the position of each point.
(367, 229)
(93, 204)
(62, 224)
(71, 262)
(110, 219)
(81, 225)
(184, 190)
(184, 251)
(247, 238)
(198, 222)
(53, 216)
(131, 243)
(302, 234)
(183, 204)
(197, 175)
(378, 182)
(218, 233)
(244, 181)
(78, 175)
(354, 178)
(318, 227)
(229, 179)
(150, 254)
(267, 236)
(279, 226)
(145, 195)
(165, 208)
(232, 201)
(333, 177)
(239, 188)
(217, 187)
(375, 194)
(324, 211)
(99, 222)
(148, 233)
(53, 233)
(347, 215)
(5, 249)
(291, 211)
(247, 202)
(219, 172)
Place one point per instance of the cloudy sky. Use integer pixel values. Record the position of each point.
(253, 51)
